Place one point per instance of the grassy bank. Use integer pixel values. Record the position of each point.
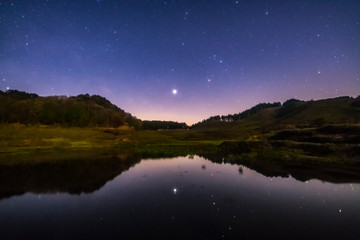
(20, 143)
(34, 143)
(330, 152)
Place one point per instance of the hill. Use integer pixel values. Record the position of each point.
(341, 110)
(82, 110)
(306, 139)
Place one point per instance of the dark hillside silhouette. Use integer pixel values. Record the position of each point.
(82, 110)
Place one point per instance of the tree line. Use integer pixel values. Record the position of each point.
(156, 125)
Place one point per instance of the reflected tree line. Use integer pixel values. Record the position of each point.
(86, 175)
(73, 176)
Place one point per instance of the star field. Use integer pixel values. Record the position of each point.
(181, 60)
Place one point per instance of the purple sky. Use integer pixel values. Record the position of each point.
(221, 56)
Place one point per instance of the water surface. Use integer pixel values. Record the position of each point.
(176, 198)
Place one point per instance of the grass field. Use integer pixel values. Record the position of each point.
(14, 137)
(20, 143)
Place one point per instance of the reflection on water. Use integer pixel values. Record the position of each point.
(178, 198)
(72, 176)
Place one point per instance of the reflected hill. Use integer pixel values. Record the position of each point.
(71, 176)
(88, 174)
(277, 162)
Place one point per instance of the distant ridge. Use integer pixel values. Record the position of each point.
(320, 112)
(85, 110)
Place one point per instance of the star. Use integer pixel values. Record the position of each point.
(227, 46)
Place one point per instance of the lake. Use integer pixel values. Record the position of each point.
(171, 198)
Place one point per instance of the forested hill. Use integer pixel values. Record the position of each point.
(82, 110)
(293, 111)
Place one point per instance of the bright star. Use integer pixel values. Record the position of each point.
(174, 91)
(174, 190)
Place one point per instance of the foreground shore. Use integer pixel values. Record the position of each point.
(334, 148)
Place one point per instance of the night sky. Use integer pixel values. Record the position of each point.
(181, 60)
